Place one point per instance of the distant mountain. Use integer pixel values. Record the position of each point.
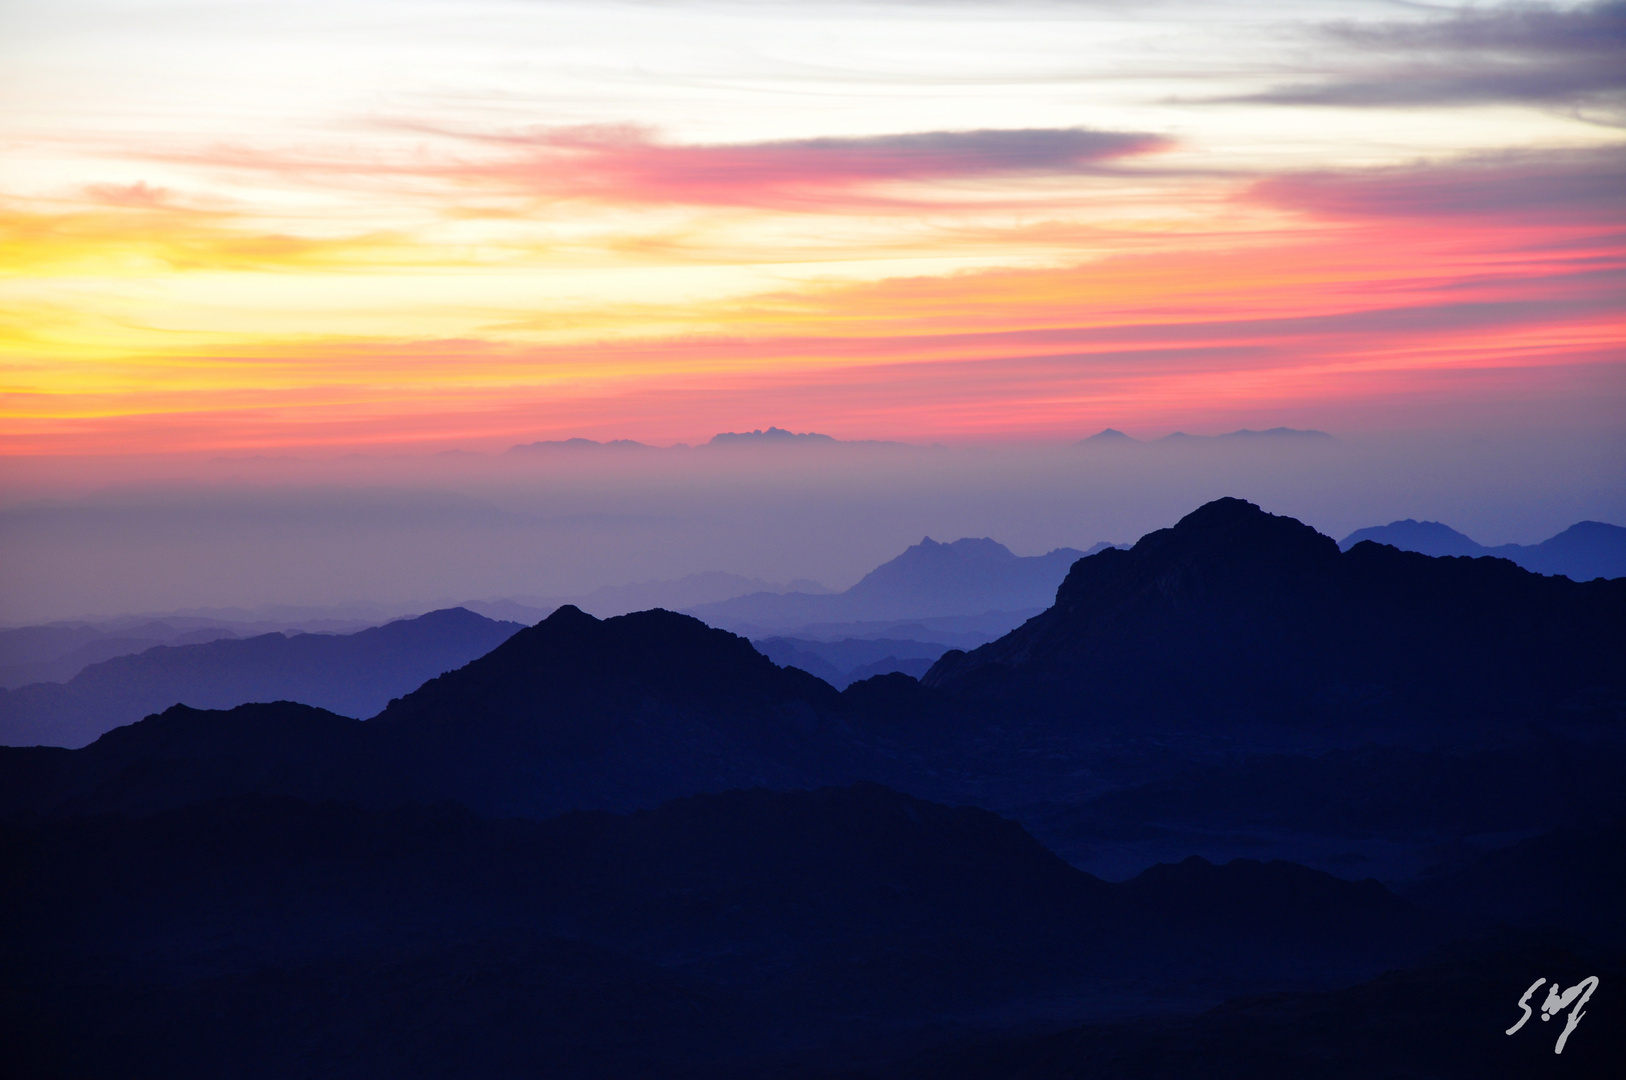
(354, 674)
(577, 445)
(1248, 435)
(773, 435)
(966, 577)
(1236, 616)
(1586, 550)
(611, 600)
(573, 713)
(32, 654)
(1108, 437)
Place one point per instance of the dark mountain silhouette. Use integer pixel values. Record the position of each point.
(187, 756)
(614, 714)
(1586, 550)
(749, 924)
(278, 890)
(1387, 811)
(353, 674)
(573, 713)
(1572, 879)
(1235, 616)
(967, 577)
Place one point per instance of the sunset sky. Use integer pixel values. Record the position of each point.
(417, 224)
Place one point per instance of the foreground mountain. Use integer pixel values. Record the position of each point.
(267, 937)
(352, 674)
(967, 577)
(573, 713)
(1235, 617)
(1442, 1020)
(1586, 550)
(1390, 812)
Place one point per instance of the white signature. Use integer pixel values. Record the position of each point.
(1557, 1001)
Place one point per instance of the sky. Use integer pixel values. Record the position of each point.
(234, 230)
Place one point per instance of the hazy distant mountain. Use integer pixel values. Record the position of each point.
(32, 654)
(578, 445)
(355, 674)
(966, 577)
(772, 435)
(1248, 435)
(1586, 550)
(1108, 437)
(611, 600)
(1236, 613)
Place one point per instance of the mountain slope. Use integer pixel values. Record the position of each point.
(1235, 613)
(776, 923)
(352, 674)
(614, 714)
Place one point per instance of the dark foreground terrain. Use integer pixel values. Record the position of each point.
(637, 847)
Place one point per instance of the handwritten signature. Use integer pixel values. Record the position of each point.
(1557, 1001)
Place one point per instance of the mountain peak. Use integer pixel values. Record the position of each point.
(772, 435)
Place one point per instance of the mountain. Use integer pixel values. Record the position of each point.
(32, 654)
(573, 713)
(715, 935)
(1571, 879)
(1586, 550)
(774, 435)
(966, 577)
(610, 600)
(614, 714)
(576, 445)
(1390, 812)
(1108, 437)
(1236, 617)
(354, 674)
(1249, 435)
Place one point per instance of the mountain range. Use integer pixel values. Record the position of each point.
(638, 847)
(1586, 550)
(1236, 617)
(355, 674)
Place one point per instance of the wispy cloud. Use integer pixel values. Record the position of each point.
(1534, 53)
(630, 164)
(1511, 188)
